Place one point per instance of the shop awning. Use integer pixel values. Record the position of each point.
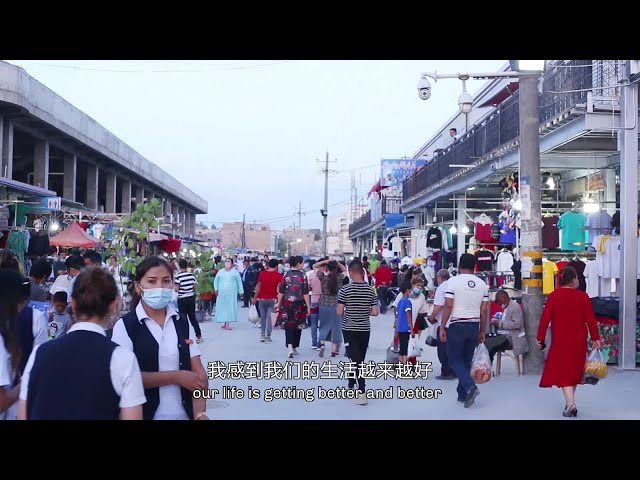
(157, 237)
(502, 95)
(377, 188)
(74, 236)
(25, 187)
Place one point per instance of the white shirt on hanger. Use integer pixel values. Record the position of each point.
(611, 258)
(504, 261)
(396, 245)
(592, 279)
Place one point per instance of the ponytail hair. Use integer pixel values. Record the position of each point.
(567, 275)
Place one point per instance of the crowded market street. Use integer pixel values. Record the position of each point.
(507, 397)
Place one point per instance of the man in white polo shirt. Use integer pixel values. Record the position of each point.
(463, 324)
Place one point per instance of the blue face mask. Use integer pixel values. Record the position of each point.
(417, 291)
(157, 298)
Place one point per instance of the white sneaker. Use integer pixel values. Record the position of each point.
(362, 399)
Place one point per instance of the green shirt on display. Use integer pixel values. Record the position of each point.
(574, 236)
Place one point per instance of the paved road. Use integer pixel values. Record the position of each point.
(505, 397)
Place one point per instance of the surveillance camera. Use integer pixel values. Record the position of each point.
(424, 89)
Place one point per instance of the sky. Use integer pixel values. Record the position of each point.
(245, 135)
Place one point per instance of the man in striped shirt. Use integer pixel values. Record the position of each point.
(356, 303)
(186, 286)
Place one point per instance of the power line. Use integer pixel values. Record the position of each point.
(88, 69)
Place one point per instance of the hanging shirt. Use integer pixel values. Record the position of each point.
(572, 225)
(482, 228)
(484, 261)
(434, 238)
(396, 245)
(549, 270)
(611, 258)
(550, 232)
(507, 233)
(97, 230)
(504, 261)
(598, 223)
(592, 279)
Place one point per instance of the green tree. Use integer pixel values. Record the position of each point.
(132, 229)
(282, 246)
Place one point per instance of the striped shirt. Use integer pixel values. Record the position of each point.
(187, 282)
(357, 298)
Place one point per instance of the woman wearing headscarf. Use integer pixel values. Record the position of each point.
(228, 284)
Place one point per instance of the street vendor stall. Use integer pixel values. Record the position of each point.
(74, 236)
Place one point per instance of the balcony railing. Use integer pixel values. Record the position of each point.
(564, 88)
(382, 207)
(360, 223)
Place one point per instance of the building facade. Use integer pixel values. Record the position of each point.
(52, 149)
(256, 236)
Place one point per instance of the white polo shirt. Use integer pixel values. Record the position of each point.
(468, 293)
(125, 372)
(170, 407)
(439, 300)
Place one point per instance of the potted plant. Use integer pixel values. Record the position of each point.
(204, 286)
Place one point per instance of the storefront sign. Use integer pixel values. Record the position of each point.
(51, 204)
(395, 171)
(594, 182)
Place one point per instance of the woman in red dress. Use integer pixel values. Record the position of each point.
(570, 313)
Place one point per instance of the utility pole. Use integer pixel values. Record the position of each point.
(628, 141)
(531, 229)
(242, 235)
(325, 210)
(300, 216)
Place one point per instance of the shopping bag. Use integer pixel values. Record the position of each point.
(432, 337)
(393, 355)
(253, 314)
(414, 349)
(595, 365)
(481, 365)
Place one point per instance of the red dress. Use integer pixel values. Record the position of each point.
(570, 313)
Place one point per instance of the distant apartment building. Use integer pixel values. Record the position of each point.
(257, 236)
(210, 236)
(338, 242)
(303, 242)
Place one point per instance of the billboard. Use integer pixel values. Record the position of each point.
(395, 171)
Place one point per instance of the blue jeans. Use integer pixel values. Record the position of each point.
(313, 325)
(462, 340)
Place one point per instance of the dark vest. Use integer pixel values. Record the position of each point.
(25, 337)
(71, 379)
(146, 348)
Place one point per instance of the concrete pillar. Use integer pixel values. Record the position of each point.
(181, 220)
(41, 164)
(92, 187)
(193, 224)
(110, 204)
(70, 169)
(610, 191)
(6, 150)
(139, 195)
(187, 223)
(461, 223)
(174, 218)
(126, 197)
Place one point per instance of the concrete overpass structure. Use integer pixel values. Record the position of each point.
(49, 147)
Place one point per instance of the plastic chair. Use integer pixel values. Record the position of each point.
(508, 353)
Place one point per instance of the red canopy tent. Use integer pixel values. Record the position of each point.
(74, 236)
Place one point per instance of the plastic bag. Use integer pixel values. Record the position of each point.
(481, 365)
(595, 365)
(253, 314)
(414, 349)
(432, 338)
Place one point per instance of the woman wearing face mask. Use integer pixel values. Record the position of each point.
(228, 284)
(82, 375)
(165, 346)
